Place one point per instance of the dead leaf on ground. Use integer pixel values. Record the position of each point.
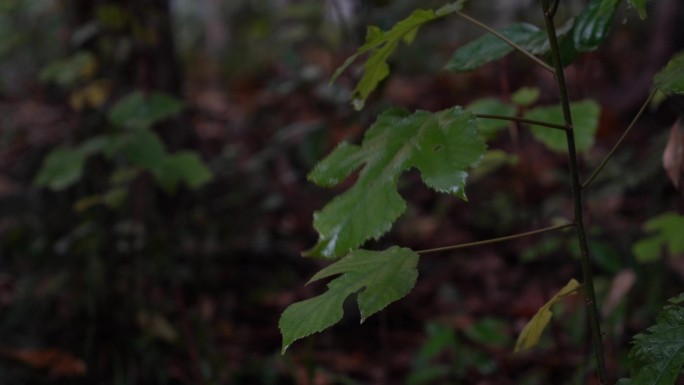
(673, 156)
(57, 363)
(622, 283)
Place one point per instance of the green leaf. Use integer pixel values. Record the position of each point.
(489, 332)
(69, 71)
(657, 355)
(529, 336)
(379, 278)
(492, 161)
(491, 106)
(144, 148)
(640, 6)
(585, 116)
(184, 166)
(489, 48)
(141, 110)
(666, 231)
(593, 24)
(525, 96)
(442, 145)
(61, 168)
(382, 44)
(670, 80)
(95, 145)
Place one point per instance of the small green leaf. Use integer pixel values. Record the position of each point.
(666, 231)
(670, 80)
(492, 161)
(95, 145)
(525, 96)
(442, 145)
(529, 336)
(379, 278)
(648, 249)
(585, 116)
(593, 24)
(144, 148)
(640, 6)
(140, 110)
(489, 331)
(69, 71)
(61, 168)
(115, 197)
(489, 48)
(491, 106)
(185, 166)
(658, 355)
(382, 44)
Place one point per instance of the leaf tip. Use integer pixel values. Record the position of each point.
(358, 104)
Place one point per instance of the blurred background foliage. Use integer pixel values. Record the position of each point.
(154, 202)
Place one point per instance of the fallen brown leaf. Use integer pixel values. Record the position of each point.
(57, 363)
(673, 156)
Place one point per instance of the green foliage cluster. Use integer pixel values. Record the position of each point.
(447, 145)
(135, 144)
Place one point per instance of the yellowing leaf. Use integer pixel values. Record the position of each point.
(93, 95)
(157, 326)
(529, 336)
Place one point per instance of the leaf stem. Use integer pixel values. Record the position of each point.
(576, 187)
(619, 142)
(507, 40)
(495, 240)
(522, 120)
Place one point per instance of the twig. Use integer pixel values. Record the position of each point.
(495, 240)
(522, 120)
(619, 142)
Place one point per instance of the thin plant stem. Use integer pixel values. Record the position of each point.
(576, 187)
(522, 120)
(619, 142)
(507, 40)
(495, 240)
(554, 8)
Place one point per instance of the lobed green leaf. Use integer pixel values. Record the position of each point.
(658, 355)
(381, 44)
(593, 24)
(670, 80)
(379, 278)
(443, 146)
(585, 116)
